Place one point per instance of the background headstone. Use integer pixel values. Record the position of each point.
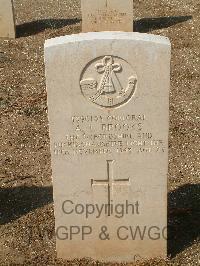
(108, 108)
(107, 15)
(7, 21)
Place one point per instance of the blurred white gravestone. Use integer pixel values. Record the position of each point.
(7, 21)
(107, 15)
(108, 109)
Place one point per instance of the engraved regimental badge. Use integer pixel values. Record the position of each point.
(108, 81)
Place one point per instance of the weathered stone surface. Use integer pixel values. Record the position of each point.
(7, 22)
(107, 15)
(108, 108)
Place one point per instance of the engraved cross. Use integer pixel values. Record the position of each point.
(110, 181)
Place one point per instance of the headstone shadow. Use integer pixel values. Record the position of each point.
(145, 25)
(37, 26)
(183, 219)
(18, 201)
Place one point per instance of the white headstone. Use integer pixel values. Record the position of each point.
(7, 22)
(107, 15)
(108, 108)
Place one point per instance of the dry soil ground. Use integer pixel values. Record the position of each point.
(26, 209)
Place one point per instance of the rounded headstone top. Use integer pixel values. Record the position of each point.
(107, 35)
